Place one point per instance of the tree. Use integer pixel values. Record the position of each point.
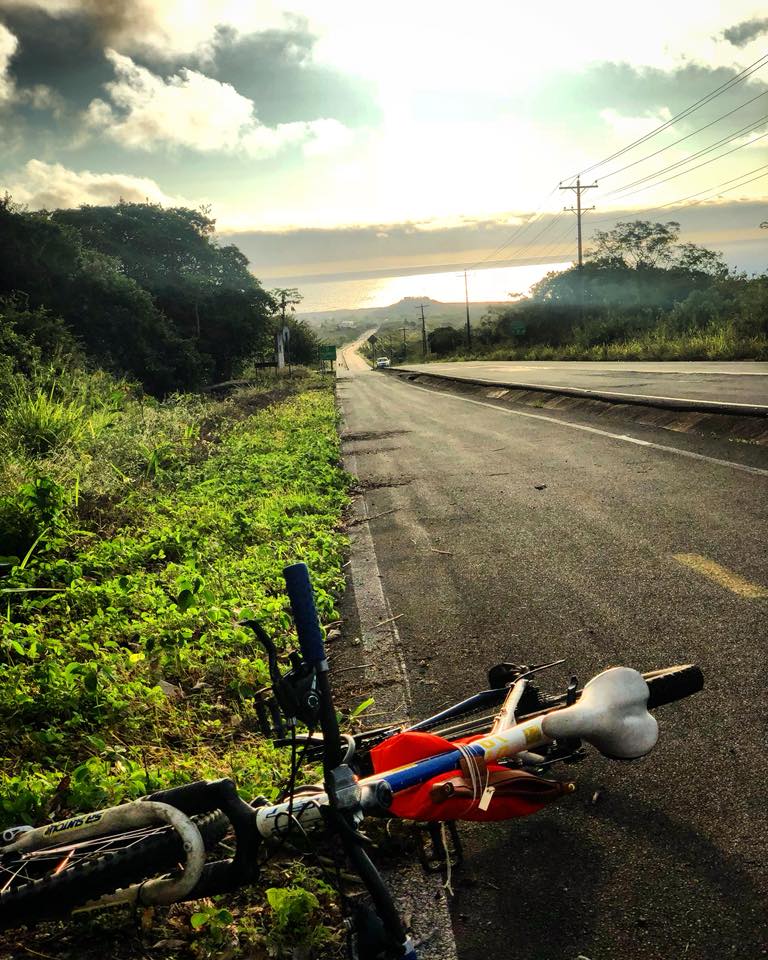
(444, 339)
(635, 245)
(285, 299)
(693, 259)
(206, 291)
(47, 264)
(642, 245)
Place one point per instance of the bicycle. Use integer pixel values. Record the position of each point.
(460, 764)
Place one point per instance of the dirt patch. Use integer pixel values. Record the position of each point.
(363, 453)
(372, 435)
(380, 483)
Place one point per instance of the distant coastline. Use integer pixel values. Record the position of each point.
(490, 285)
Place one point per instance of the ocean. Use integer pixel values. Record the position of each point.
(495, 284)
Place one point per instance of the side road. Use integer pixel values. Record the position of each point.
(709, 382)
(504, 537)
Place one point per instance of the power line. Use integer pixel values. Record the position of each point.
(533, 218)
(674, 143)
(548, 226)
(718, 192)
(703, 151)
(729, 84)
(420, 306)
(518, 231)
(552, 249)
(690, 196)
(521, 250)
(698, 166)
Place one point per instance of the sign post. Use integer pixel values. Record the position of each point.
(327, 352)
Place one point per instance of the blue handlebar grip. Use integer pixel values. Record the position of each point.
(304, 610)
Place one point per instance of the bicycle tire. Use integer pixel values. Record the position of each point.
(673, 683)
(664, 686)
(55, 895)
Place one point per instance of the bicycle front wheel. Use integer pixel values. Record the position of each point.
(50, 882)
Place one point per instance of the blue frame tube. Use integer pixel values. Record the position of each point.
(425, 769)
(493, 746)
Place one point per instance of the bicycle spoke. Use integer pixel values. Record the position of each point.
(49, 861)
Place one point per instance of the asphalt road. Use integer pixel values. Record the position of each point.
(721, 382)
(658, 859)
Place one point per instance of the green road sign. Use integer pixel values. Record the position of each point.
(328, 352)
(517, 328)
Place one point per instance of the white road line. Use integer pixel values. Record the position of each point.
(757, 471)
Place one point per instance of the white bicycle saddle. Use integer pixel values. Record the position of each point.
(611, 714)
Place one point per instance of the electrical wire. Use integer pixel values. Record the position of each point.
(715, 190)
(538, 212)
(711, 190)
(694, 156)
(642, 189)
(509, 261)
(555, 249)
(544, 229)
(612, 173)
(687, 111)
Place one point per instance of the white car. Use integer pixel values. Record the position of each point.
(382, 362)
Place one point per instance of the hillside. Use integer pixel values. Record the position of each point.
(342, 325)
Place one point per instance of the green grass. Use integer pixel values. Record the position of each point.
(123, 667)
(131, 545)
(700, 345)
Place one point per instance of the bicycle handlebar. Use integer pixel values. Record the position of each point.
(302, 599)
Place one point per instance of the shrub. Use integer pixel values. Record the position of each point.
(35, 420)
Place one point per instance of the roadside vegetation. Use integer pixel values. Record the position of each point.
(136, 535)
(141, 291)
(141, 520)
(641, 295)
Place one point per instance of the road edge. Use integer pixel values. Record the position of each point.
(744, 422)
(663, 403)
(421, 897)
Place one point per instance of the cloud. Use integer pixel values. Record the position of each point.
(39, 96)
(634, 127)
(49, 186)
(42, 97)
(189, 109)
(740, 34)
(8, 45)
(295, 256)
(58, 53)
(372, 248)
(275, 69)
(163, 28)
(644, 91)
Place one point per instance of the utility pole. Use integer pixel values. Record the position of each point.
(423, 332)
(405, 346)
(466, 300)
(578, 189)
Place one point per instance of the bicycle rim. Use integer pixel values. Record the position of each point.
(50, 882)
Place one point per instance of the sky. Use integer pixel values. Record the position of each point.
(343, 139)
